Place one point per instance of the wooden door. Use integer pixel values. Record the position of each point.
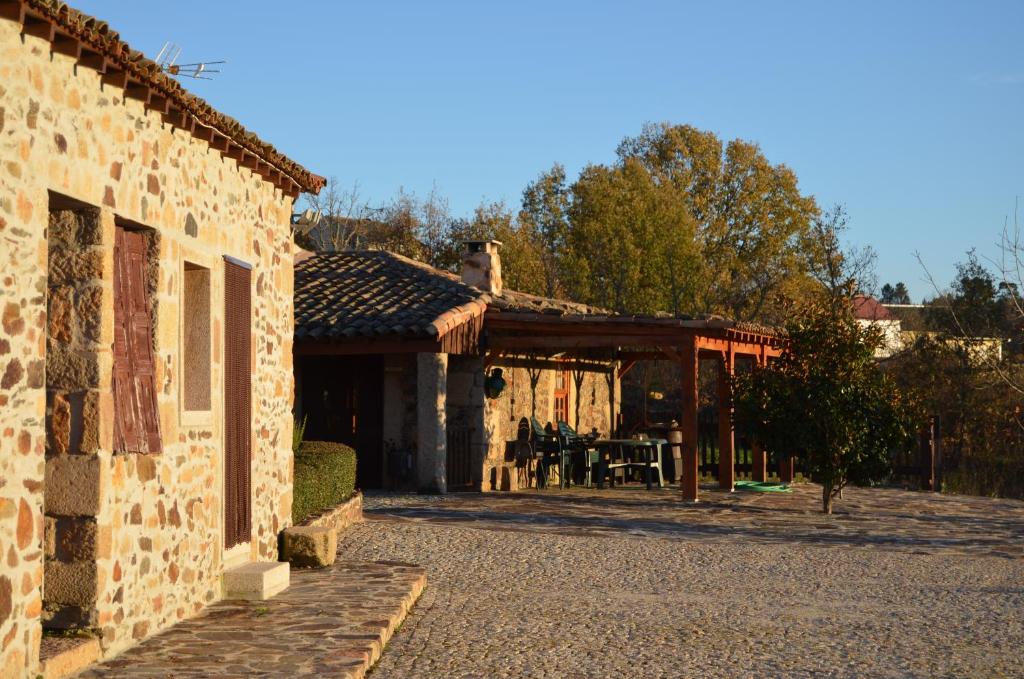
(237, 403)
(136, 418)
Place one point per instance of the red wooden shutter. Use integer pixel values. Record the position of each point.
(136, 417)
(237, 403)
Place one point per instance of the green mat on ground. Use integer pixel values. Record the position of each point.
(763, 487)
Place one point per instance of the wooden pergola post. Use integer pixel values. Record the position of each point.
(760, 461)
(726, 441)
(786, 469)
(691, 384)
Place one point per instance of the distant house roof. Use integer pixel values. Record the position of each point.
(867, 308)
(95, 45)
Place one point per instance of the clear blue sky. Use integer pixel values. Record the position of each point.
(912, 114)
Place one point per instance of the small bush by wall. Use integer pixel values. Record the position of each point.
(325, 475)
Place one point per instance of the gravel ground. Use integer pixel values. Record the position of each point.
(558, 586)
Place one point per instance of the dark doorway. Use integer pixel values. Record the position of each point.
(343, 401)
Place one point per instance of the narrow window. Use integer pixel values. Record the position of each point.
(195, 319)
(561, 395)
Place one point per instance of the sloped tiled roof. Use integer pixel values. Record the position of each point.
(373, 293)
(378, 294)
(85, 36)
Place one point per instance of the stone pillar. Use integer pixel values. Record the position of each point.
(691, 384)
(726, 441)
(431, 421)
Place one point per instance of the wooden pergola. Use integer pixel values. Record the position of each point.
(628, 339)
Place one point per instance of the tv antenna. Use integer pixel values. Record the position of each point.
(200, 70)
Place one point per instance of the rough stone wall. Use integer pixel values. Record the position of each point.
(494, 422)
(400, 421)
(62, 131)
(520, 399)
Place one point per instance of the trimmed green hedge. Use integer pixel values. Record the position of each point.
(325, 475)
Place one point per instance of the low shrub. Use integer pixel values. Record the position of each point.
(325, 475)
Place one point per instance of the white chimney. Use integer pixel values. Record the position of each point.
(481, 265)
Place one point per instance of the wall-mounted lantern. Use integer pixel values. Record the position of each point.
(494, 384)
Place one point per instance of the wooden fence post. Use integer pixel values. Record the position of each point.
(786, 469)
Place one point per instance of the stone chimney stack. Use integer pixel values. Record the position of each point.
(481, 265)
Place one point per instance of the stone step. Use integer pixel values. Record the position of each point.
(61, 657)
(255, 581)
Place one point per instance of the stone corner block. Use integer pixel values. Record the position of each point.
(73, 485)
(309, 546)
(256, 581)
(75, 584)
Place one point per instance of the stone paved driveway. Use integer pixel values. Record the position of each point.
(627, 582)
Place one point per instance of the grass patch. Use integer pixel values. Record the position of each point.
(325, 475)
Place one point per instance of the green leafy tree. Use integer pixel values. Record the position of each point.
(827, 401)
(630, 247)
(751, 219)
(976, 305)
(544, 217)
(895, 294)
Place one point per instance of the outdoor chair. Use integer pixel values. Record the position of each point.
(548, 447)
(578, 449)
(524, 454)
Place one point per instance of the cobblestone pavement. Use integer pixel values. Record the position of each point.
(331, 622)
(628, 582)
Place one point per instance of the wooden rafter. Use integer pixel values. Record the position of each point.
(13, 10)
(67, 45)
(39, 28)
(115, 77)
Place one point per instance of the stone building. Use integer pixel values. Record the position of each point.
(392, 358)
(145, 354)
